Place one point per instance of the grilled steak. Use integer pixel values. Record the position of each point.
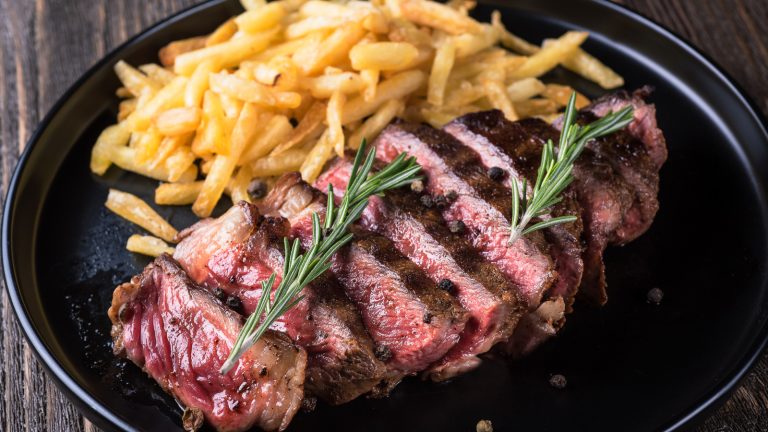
(481, 203)
(421, 234)
(412, 321)
(235, 252)
(515, 148)
(181, 335)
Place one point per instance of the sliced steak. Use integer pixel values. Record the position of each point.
(413, 322)
(515, 148)
(181, 336)
(452, 168)
(421, 234)
(231, 255)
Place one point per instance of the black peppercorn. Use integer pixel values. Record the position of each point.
(445, 285)
(427, 318)
(655, 296)
(456, 227)
(426, 201)
(451, 195)
(219, 294)
(440, 201)
(558, 381)
(257, 188)
(495, 173)
(383, 353)
(234, 303)
(308, 404)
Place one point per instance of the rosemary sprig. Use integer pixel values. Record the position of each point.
(556, 169)
(299, 270)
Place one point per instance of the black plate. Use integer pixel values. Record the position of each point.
(630, 365)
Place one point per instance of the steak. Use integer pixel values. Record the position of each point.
(181, 335)
(516, 147)
(421, 234)
(412, 321)
(237, 251)
(480, 204)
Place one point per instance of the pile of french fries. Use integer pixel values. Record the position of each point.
(289, 84)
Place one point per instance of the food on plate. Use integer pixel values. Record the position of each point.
(288, 84)
(420, 256)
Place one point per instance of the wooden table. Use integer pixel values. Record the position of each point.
(45, 45)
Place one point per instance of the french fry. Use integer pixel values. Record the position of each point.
(376, 123)
(384, 56)
(198, 84)
(313, 58)
(211, 136)
(322, 8)
(280, 73)
(288, 48)
(441, 70)
(547, 58)
(253, 4)
(126, 107)
(148, 145)
(177, 121)
(223, 165)
(226, 54)
(439, 16)
(560, 95)
(492, 81)
(271, 166)
(169, 53)
(167, 146)
(333, 119)
(535, 107)
(524, 89)
(113, 137)
(251, 91)
(168, 97)
(238, 188)
(125, 158)
(178, 162)
(315, 160)
(313, 24)
(323, 86)
(309, 125)
(469, 44)
(222, 33)
(177, 193)
(275, 131)
(123, 93)
(148, 245)
(370, 79)
(262, 18)
(592, 69)
(463, 94)
(157, 73)
(396, 87)
(134, 80)
(132, 208)
(509, 40)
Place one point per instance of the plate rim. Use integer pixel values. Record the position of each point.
(90, 407)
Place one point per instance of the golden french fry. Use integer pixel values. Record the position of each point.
(224, 165)
(309, 125)
(198, 84)
(166, 98)
(157, 73)
(134, 80)
(547, 58)
(535, 107)
(132, 208)
(238, 188)
(370, 78)
(125, 158)
(178, 162)
(123, 93)
(148, 245)
(262, 18)
(376, 123)
(509, 40)
(396, 87)
(492, 81)
(222, 33)
(313, 58)
(441, 70)
(315, 160)
(288, 48)
(385, 56)
(276, 130)
(225, 54)
(253, 4)
(271, 166)
(177, 121)
(463, 94)
(126, 107)
(560, 95)
(113, 137)
(439, 16)
(147, 145)
(167, 146)
(591, 68)
(333, 119)
(169, 53)
(469, 44)
(524, 89)
(323, 86)
(251, 91)
(313, 24)
(211, 136)
(177, 193)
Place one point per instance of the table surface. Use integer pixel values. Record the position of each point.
(45, 45)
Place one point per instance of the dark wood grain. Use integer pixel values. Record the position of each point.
(46, 44)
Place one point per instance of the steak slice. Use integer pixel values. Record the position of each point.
(235, 252)
(516, 147)
(420, 234)
(412, 321)
(452, 168)
(181, 336)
